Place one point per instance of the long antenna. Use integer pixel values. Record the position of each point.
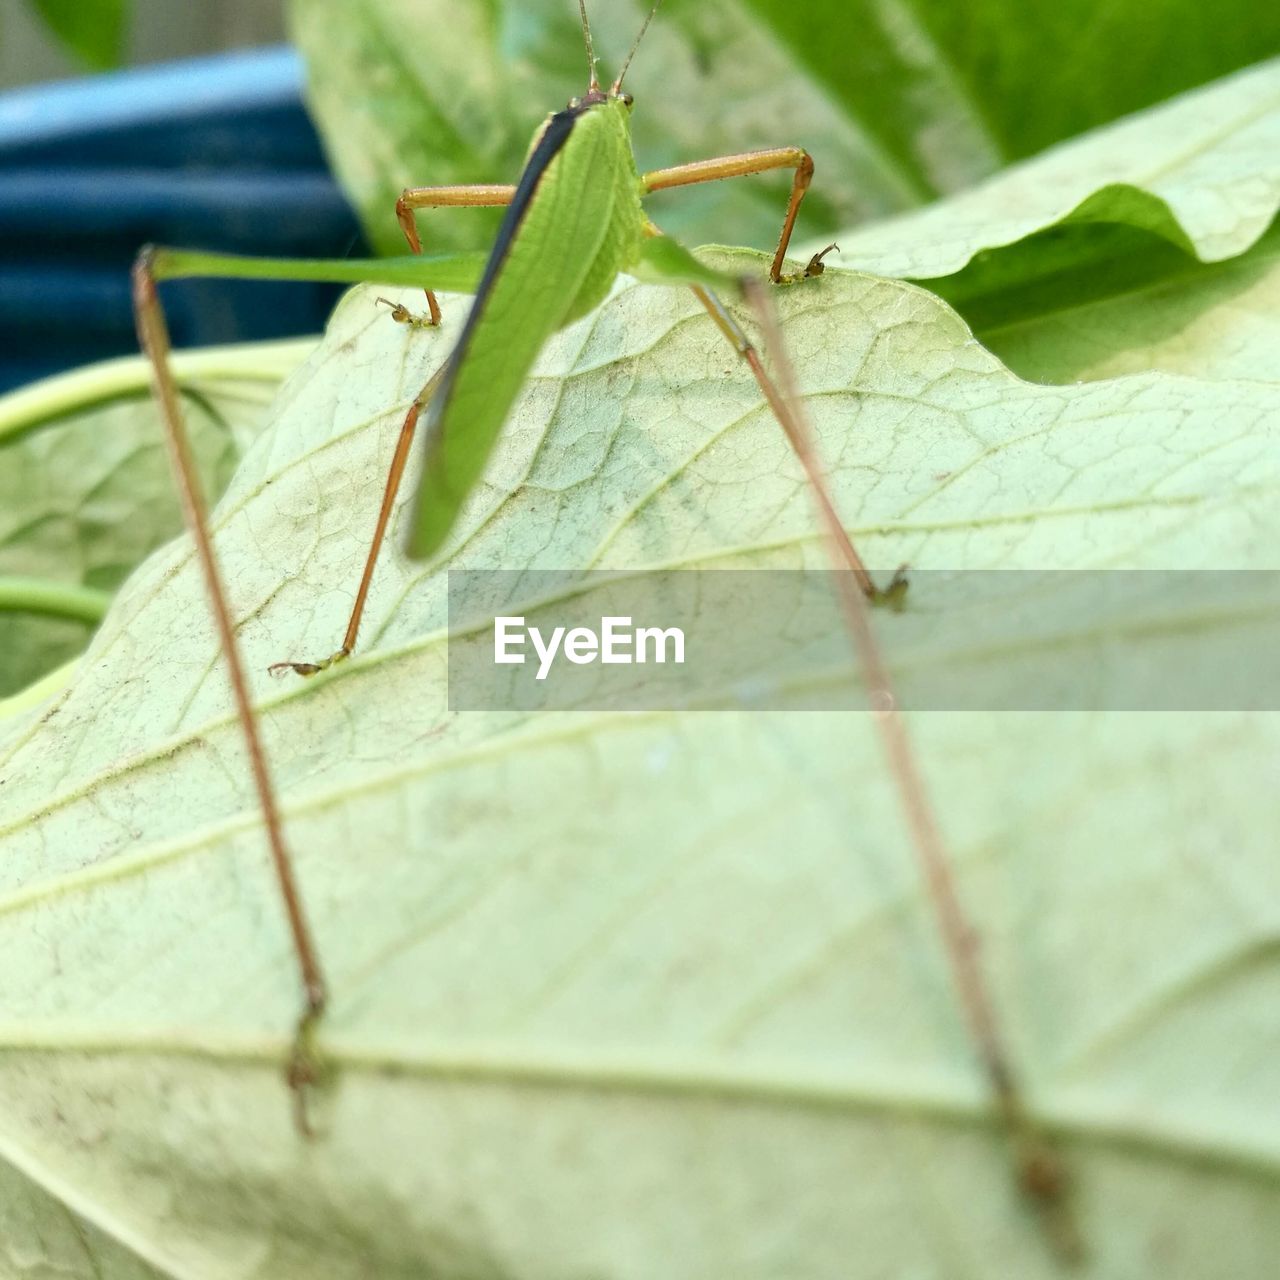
(594, 86)
(617, 84)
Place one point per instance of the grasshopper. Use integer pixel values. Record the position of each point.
(573, 222)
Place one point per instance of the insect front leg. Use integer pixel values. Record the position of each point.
(476, 196)
(392, 487)
(745, 165)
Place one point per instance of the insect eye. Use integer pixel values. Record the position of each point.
(574, 104)
(627, 100)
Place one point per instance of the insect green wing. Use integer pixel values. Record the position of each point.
(574, 224)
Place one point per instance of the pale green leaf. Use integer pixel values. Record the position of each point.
(1198, 172)
(666, 261)
(1052, 262)
(1142, 245)
(626, 996)
(85, 492)
(898, 103)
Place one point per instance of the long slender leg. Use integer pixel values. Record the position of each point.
(744, 166)
(394, 475)
(800, 443)
(303, 1069)
(1038, 1168)
(477, 196)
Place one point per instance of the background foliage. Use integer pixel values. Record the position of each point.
(93, 30)
(638, 995)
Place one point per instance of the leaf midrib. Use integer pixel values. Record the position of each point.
(1085, 1115)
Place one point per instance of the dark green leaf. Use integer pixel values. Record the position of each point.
(92, 30)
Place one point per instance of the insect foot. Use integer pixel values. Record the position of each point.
(894, 596)
(306, 1072)
(814, 267)
(402, 315)
(1046, 1183)
(279, 669)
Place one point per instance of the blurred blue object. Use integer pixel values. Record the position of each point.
(212, 153)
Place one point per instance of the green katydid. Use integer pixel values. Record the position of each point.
(573, 222)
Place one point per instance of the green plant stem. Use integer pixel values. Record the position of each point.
(459, 272)
(53, 599)
(64, 394)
